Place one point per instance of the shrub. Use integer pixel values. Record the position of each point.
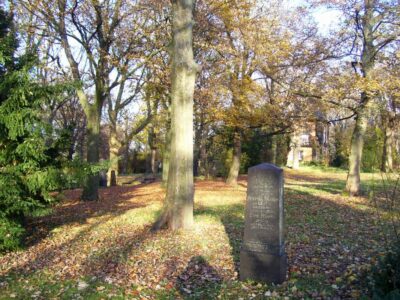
(11, 233)
(385, 277)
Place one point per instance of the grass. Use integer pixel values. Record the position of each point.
(105, 250)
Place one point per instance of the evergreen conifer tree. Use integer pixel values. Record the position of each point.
(28, 171)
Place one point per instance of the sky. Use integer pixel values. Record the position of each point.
(325, 18)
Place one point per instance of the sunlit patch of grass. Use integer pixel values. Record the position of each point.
(310, 286)
(322, 169)
(45, 286)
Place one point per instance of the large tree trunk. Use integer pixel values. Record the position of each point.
(90, 190)
(178, 211)
(236, 156)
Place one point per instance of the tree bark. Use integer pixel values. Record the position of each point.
(151, 156)
(296, 153)
(356, 150)
(178, 210)
(325, 145)
(92, 111)
(274, 147)
(236, 156)
(203, 159)
(387, 155)
(90, 190)
(114, 147)
(166, 155)
(368, 54)
(293, 155)
(154, 161)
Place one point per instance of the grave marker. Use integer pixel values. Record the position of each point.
(263, 257)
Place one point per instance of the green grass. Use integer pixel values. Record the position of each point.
(43, 286)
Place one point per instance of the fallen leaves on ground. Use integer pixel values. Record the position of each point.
(105, 249)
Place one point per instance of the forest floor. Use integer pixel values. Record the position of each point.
(104, 249)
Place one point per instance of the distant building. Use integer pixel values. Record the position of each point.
(308, 142)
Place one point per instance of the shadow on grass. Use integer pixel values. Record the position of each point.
(108, 262)
(113, 200)
(107, 253)
(199, 280)
(333, 187)
(232, 217)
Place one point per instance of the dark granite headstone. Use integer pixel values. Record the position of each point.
(262, 257)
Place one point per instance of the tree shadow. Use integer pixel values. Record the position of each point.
(108, 263)
(199, 280)
(112, 249)
(232, 218)
(113, 201)
(329, 236)
(334, 187)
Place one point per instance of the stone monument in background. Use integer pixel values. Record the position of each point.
(263, 257)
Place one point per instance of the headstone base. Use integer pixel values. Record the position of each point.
(263, 267)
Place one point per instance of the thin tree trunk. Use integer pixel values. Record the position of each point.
(368, 55)
(274, 147)
(236, 156)
(178, 210)
(166, 155)
(151, 157)
(90, 191)
(293, 155)
(200, 150)
(387, 155)
(203, 163)
(126, 168)
(196, 152)
(357, 144)
(296, 154)
(114, 146)
(154, 162)
(325, 145)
